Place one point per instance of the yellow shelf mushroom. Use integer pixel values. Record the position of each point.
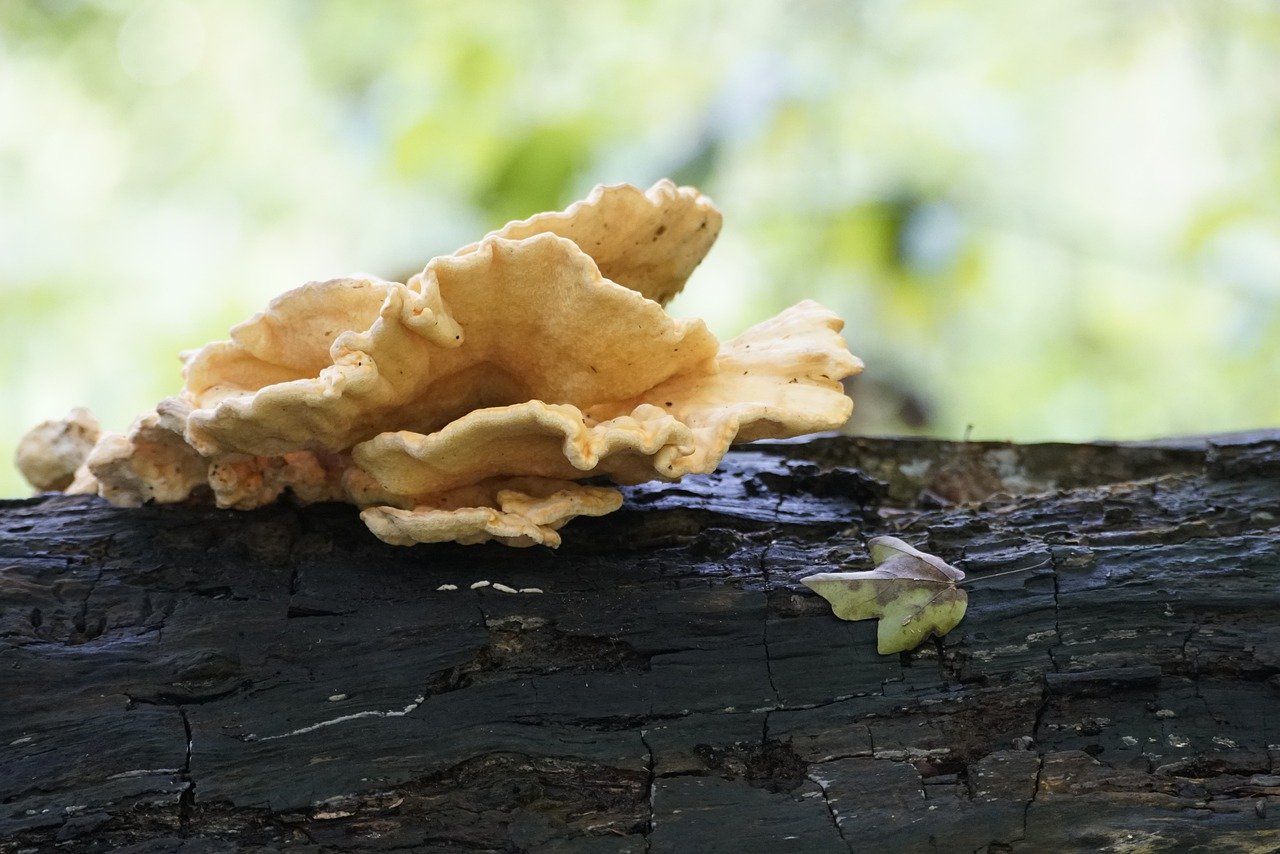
(468, 403)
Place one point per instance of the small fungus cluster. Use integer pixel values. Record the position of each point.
(469, 403)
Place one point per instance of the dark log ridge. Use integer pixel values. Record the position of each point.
(184, 679)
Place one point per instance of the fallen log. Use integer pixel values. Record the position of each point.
(178, 678)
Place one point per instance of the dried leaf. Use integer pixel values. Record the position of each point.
(914, 594)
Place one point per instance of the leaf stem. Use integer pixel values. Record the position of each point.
(1010, 572)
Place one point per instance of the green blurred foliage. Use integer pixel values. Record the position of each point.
(1050, 220)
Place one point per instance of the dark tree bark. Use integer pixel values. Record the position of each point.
(184, 679)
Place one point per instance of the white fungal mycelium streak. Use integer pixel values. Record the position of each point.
(394, 713)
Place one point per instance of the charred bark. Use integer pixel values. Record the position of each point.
(184, 679)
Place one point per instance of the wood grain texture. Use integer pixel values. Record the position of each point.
(184, 679)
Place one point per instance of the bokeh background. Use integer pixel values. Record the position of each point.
(1047, 220)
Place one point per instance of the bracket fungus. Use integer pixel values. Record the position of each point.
(50, 454)
(471, 402)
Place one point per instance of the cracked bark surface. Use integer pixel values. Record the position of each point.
(183, 679)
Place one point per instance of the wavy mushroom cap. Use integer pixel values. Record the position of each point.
(470, 403)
